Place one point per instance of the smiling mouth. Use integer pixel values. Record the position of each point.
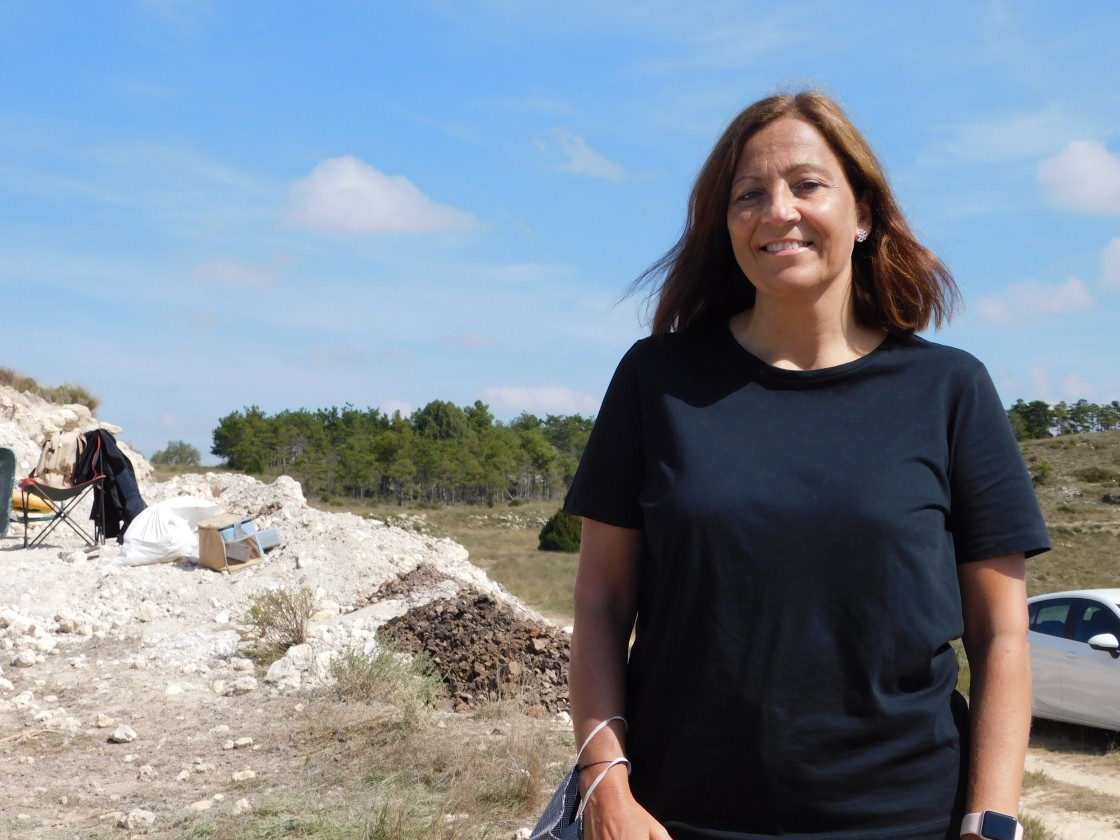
(778, 247)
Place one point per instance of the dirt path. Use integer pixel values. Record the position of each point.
(1078, 798)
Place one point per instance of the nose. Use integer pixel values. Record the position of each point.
(781, 207)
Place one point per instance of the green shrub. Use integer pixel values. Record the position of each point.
(67, 394)
(1043, 473)
(276, 621)
(408, 684)
(178, 453)
(1098, 475)
(561, 533)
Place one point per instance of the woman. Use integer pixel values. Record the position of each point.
(795, 504)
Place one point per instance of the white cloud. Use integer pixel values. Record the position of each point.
(234, 273)
(344, 194)
(581, 159)
(544, 399)
(1110, 264)
(1022, 302)
(1083, 176)
(1004, 136)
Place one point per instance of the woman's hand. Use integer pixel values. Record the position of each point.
(612, 813)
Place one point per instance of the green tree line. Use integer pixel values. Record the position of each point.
(1038, 419)
(446, 454)
(440, 453)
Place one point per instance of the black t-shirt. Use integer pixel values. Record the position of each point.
(791, 672)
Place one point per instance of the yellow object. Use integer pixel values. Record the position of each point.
(34, 503)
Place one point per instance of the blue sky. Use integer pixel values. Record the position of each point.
(207, 205)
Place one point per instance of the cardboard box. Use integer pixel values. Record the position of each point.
(228, 543)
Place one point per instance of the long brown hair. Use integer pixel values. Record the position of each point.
(897, 283)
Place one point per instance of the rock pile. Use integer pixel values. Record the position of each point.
(486, 652)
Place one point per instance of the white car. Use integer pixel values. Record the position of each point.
(1075, 656)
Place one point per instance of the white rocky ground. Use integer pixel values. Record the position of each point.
(122, 689)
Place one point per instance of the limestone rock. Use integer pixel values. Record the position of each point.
(25, 659)
(136, 820)
(242, 685)
(122, 735)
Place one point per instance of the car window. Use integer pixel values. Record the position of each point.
(1049, 617)
(1095, 619)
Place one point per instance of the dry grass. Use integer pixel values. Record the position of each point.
(1033, 828)
(65, 394)
(1084, 528)
(405, 685)
(1095, 747)
(1043, 789)
(370, 772)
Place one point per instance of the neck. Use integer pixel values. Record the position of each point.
(798, 338)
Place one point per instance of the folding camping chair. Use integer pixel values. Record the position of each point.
(63, 503)
(7, 486)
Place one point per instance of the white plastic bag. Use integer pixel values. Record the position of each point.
(165, 531)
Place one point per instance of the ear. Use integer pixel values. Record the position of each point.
(863, 214)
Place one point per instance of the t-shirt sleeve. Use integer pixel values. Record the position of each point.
(611, 472)
(994, 508)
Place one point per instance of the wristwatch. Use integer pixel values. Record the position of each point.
(992, 825)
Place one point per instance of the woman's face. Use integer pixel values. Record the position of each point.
(792, 215)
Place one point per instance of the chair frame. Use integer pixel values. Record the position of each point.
(7, 487)
(62, 501)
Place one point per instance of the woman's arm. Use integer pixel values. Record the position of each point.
(994, 598)
(606, 595)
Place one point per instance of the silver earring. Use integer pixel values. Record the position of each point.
(861, 236)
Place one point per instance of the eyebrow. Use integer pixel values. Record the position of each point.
(751, 176)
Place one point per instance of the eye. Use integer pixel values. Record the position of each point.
(748, 195)
(809, 185)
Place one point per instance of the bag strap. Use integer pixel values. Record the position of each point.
(599, 728)
(590, 790)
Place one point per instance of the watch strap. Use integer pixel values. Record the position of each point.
(973, 824)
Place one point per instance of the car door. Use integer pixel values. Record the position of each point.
(1091, 678)
(1047, 629)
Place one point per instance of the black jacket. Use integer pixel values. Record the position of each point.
(122, 500)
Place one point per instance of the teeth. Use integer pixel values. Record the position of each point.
(776, 247)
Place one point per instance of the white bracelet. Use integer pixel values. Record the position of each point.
(590, 790)
(599, 728)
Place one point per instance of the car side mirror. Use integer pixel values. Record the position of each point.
(1105, 641)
